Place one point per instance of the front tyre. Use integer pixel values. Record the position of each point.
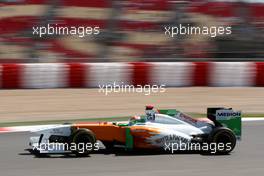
(38, 154)
(84, 141)
(224, 140)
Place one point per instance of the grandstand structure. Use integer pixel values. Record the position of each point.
(130, 30)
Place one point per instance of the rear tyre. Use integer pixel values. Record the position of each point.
(224, 141)
(84, 141)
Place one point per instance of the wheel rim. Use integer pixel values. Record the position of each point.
(84, 140)
(225, 138)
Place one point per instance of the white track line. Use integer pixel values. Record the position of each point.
(251, 119)
(24, 128)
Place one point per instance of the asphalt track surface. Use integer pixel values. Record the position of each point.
(247, 159)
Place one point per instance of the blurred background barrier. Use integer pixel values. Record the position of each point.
(130, 31)
(93, 75)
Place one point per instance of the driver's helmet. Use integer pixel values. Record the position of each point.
(136, 119)
(150, 113)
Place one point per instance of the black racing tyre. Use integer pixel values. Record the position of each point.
(224, 140)
(83, 137)
(38, 154)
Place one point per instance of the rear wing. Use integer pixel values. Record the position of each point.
(221, 116)
(226, 117)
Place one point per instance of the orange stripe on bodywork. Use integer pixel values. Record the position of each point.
(105, 131)
(142, 135)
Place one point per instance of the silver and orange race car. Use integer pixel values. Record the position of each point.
(166, 129)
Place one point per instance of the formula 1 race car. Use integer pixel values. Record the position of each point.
(167, 129)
